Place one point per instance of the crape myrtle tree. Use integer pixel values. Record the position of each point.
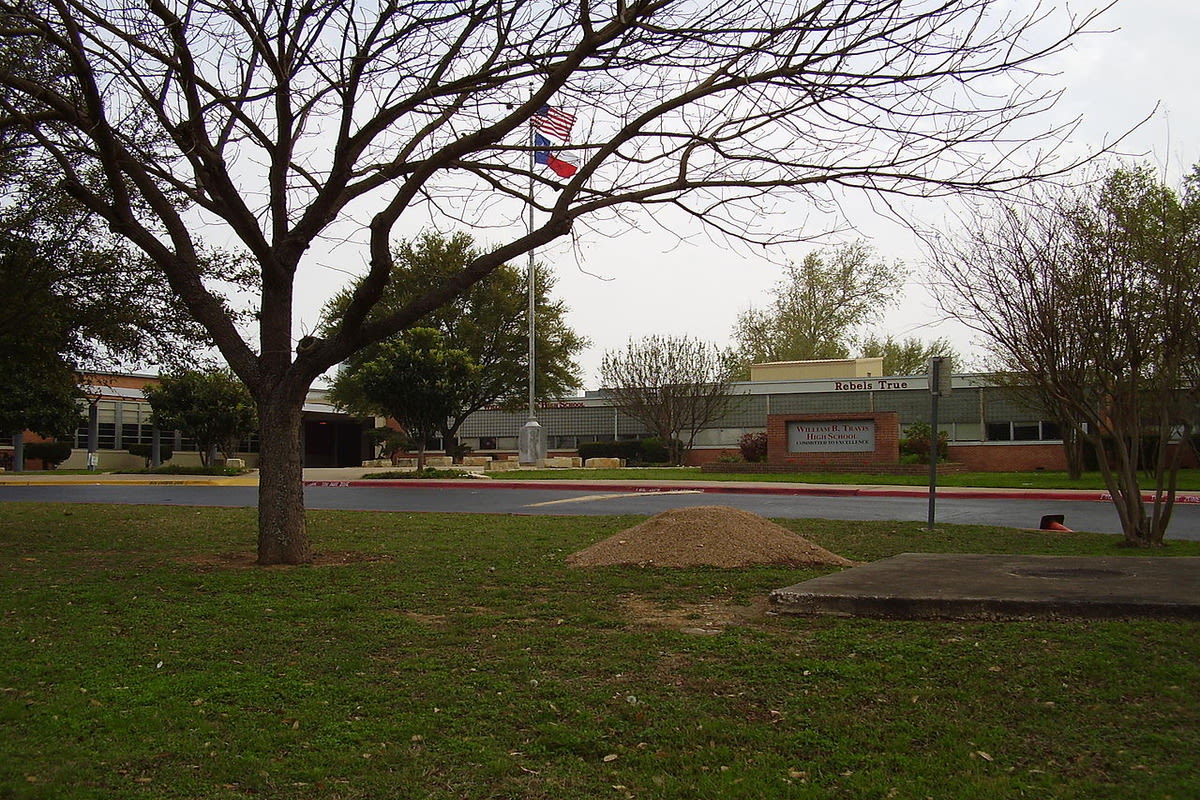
(674, 385)
(283, 126)
(1086, 301)
(488, 321)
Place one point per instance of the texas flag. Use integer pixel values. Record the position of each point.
(542, 155)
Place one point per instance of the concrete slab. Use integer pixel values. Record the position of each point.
(944, 586)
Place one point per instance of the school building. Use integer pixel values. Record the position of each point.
(117, 415)
(989, 429)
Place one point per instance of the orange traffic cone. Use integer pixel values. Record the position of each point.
(1054, 522)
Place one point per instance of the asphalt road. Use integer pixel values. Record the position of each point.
(1099, 517)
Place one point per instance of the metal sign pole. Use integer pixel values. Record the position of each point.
(939, 383)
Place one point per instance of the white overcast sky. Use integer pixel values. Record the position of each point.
(636, 284)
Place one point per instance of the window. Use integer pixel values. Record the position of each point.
(967, 432)
(1026, 431)
(132, 433)
(107, 436)
(999, 432)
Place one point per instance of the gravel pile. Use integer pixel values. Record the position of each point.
(715, 536)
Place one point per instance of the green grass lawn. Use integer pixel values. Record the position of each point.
(1189, 480)
(465, 660)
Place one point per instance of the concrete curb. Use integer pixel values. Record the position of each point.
(795, 490)
(966, 493)
(82, 481)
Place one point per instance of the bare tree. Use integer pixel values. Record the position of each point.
(1087, 302)
(674, 385)
(280, 126)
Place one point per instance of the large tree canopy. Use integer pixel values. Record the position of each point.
(280, 124)
(40, 388)
(75, 298)
(819, 307)
(908, 356)
(488, 322)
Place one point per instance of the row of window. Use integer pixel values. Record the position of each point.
(1041, 431)
(1038, 431)
(133, 434)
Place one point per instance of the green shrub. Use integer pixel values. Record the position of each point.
(654, 451)
(212, 469)
(428, 472)
(51, 454)
(651, 450)
(918, 442)
(146, 450)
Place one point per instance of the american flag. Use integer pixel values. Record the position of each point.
(554, 122)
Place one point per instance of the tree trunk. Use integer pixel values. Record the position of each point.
(1121, 479)
(1072, 449)
(282, 530)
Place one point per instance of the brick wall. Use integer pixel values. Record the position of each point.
(698, 457)
(1008, 457)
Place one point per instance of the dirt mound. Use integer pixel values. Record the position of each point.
(716, 536)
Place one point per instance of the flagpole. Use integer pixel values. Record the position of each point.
(532, 442)
(531, 278)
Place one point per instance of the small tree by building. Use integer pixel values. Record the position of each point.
(412, 378)
(918, 442)
(753, 447)
(212, 407)
(674, 385)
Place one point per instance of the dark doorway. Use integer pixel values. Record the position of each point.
(334, 443)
